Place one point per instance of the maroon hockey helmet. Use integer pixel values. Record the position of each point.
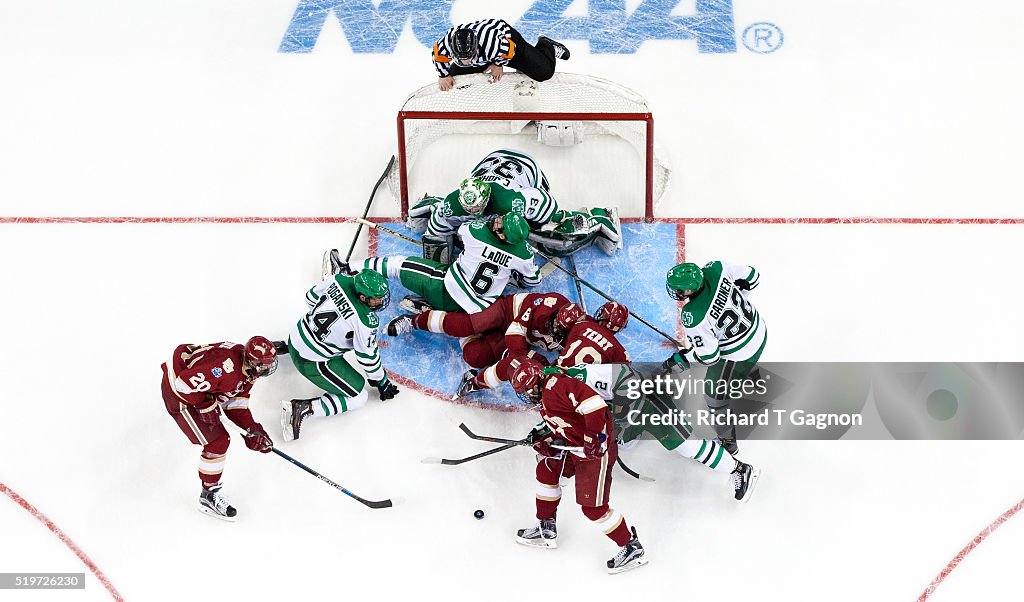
(261, 355)
(613, 316)
(565, 318)
(526, 379)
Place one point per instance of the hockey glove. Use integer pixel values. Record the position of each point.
(385, 388)
(539, 432)
(517, 280)
(594, 445)
(677, 359)
(743, 284)
(257, 439)
(210, 413)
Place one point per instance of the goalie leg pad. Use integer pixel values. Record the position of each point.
(437, 248)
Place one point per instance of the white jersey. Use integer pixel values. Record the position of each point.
(720, 322)
(338, 323)
(481, 272)
(512, 169)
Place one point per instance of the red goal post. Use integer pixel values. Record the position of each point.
(595, 106)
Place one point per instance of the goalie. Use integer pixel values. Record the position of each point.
(510, 180)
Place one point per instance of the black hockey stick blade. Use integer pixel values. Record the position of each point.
(456, 462)
(361, 500)
(366, 212)
(472, 435)
(631, 472)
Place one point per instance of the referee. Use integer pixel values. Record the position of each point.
(486, 46)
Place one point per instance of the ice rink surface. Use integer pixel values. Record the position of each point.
(905, 109)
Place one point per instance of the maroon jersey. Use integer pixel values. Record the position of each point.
(591, 343)
(199, 373)
(573, 410)
(531, 320)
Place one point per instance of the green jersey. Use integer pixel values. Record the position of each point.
(720, 322)
(337, 323)
(447, 214)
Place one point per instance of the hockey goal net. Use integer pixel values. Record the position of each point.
(593, 138)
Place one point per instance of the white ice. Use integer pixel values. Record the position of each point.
(186, 109)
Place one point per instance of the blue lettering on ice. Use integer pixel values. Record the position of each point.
(608, 26)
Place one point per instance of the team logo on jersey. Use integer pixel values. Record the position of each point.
(687, 319)
(217, 372)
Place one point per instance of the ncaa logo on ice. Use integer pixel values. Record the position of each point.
(373, 27)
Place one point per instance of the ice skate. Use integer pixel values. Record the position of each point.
(399, 325)
(629, 557)
(744, 478)
(414, 304)
(293, 412)
(333, 265)
(541, 535)
(561, 52)
(467, 385)
(213, 503)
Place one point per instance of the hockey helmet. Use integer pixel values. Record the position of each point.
(526, 379)
(514, 227)
(613, 316)
(474, 194)
(564, 319)
(684, 277)
(261, 355)
(464, 44)
(372, 289)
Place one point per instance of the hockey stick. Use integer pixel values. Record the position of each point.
(603, 294)
(576, 281)
(631, 472)
(448, 462)
(373, 193)
(389, 231)
(365, 502)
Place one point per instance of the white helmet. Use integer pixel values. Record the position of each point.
(474, 194)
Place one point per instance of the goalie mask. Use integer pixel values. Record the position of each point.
(464, 45)
(372, 289)
(261, 356)
(613, 316)
(474, 194)
(526, 380)
(684, 280)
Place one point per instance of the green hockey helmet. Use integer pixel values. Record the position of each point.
(684, 277)
(372, 289)
(514, 228)
(474, 194)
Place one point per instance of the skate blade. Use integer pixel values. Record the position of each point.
(755, 475)
(286, 421)
(632, 564)
(544, 544)
(211, 512)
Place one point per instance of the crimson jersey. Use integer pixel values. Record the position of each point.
(571, 409)
(198, 373)
(591, 343)
(531, 320)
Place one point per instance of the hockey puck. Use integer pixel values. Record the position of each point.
(478, 514)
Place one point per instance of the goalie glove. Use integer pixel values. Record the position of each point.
(385, 388)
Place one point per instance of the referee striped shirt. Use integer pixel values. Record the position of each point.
(494, 45)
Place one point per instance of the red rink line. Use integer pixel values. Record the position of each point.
(980, 537)
(1016, 221)
(61, 535)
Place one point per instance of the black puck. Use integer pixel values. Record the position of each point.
(478, 514)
